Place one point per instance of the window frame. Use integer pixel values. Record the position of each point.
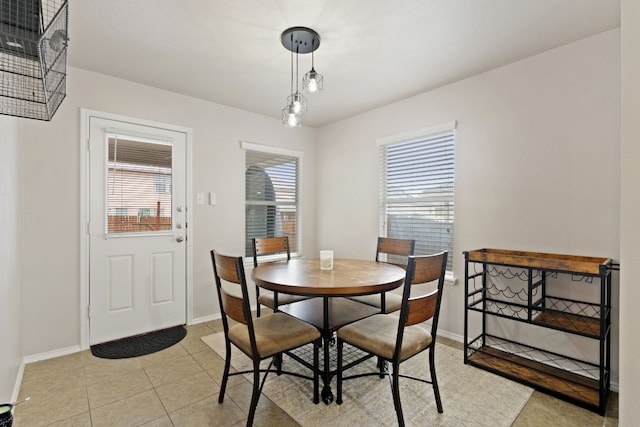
(417, 136)
(299, 155)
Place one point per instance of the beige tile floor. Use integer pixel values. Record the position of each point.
(179, 387)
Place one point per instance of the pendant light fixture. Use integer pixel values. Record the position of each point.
(300, 40)
(312, 81)
(296, 103)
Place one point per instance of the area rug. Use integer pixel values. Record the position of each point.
(140, 345)
(470, 396)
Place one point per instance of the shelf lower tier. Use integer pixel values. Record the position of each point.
(566, 385)
(568, 322)
(550, 318)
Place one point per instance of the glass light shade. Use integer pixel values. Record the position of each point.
(290, 118)
(298, 102)
(312, 82)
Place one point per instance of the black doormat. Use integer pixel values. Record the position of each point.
(140, 344)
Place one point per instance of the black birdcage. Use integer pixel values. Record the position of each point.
(33, 57)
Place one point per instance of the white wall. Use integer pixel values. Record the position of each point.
(537, 162)
(10, 257)
(51, 151)
(629, 213)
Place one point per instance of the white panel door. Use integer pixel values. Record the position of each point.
(137, 228)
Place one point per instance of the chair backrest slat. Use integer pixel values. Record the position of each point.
(233, 307)
(426, 270)
(399, 249)
(226, 268)
(270, 246)
(422, 308)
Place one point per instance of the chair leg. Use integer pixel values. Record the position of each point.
(257, 302)
(382, 366)
(339, 373)
(316, 371)
(256, 392)
(225, 374)
(277, 360)
(434, 380)
(395, 390)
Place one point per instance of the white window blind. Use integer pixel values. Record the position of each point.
(271, 192)
(136, 203)
(416, 190)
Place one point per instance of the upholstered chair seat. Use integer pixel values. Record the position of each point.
(275, 333)
(268, 299)
(392, 301)
(378, 334)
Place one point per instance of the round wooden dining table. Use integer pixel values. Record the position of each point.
(330, 310)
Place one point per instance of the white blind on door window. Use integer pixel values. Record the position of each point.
(416, 191)
(139, 192)
(271, 191)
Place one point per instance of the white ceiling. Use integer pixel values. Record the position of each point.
(372, 52)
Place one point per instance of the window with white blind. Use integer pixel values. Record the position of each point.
(416, 188)
(272, 194)
(139, 194)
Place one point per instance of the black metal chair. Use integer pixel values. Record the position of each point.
(397, 338)
(264, 246)
(259, 338)
(394, 251)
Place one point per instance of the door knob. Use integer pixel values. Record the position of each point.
(179, 239)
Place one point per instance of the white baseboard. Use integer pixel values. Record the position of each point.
(216, 316)
(51, 354)
(16, 386)
(206, 319)
(451, 336)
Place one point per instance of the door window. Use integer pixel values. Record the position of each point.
(139, 193)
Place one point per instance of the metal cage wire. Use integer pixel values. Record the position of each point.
(33, 57)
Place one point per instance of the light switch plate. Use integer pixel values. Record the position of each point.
(199, 198)
(212, 199)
